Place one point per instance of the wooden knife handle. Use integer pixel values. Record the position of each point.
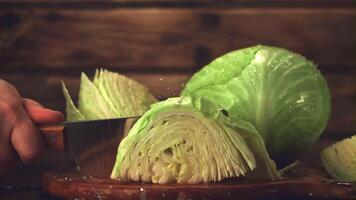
(53, 135)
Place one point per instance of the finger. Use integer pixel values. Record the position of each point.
(26, 139)
(40, 114)
(8, 117)
(32, 103)
(9, 92)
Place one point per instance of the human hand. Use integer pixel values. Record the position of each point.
(19, 135)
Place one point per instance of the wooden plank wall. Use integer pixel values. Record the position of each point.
(161, 43)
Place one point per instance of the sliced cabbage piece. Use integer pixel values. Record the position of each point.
(72, 112)
(185, 141)
(125, 96)
(281, 93)
(109, 95)
(91, 102)
(339, 159)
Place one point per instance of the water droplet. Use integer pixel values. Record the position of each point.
(253, 82)
(143, 194)
(344, 183)
(260, 58)
(310, 194)
(161, 79)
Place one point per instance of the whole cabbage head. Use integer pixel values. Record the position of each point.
(280, 92)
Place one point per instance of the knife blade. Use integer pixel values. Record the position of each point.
(92, 144)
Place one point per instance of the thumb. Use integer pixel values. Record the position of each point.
(40, 114)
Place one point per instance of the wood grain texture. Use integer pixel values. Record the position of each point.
(176, 1)
(256, 2)
(167, 38)
(47, 89)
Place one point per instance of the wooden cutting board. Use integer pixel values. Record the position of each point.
(74, 186)
(307, 180)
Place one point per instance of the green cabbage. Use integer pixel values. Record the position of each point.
(281, 93)
(72, 113)
(339, 159)
(185, 141)
(232, 115)
(110, 95)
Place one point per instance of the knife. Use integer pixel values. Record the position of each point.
(92, 144)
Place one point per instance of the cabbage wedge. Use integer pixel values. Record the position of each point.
(339, 159)
(190, 141)
(109, 95)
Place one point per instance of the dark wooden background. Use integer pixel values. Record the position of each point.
(162, 42)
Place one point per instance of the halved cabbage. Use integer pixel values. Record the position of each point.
(185, 141)
(339, 159)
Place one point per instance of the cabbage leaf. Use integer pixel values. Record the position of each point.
(72, 113)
